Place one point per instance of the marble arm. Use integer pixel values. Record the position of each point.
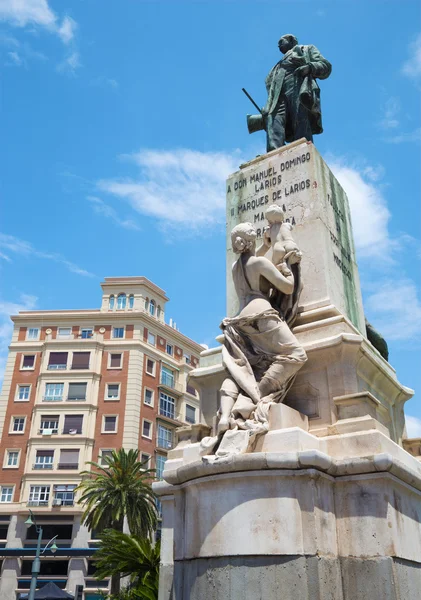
(283, 283)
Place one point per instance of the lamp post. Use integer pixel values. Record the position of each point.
(36, 562)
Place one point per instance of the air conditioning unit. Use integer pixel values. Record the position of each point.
(47, 432)
(57, 502)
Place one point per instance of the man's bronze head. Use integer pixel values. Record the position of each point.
(287, 42)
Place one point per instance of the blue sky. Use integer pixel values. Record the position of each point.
(122, 120)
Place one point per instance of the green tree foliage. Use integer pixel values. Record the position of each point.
(130, 556)
(120, 489)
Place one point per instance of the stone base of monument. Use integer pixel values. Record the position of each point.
(327, 504)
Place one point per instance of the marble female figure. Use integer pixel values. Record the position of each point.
(260, 353)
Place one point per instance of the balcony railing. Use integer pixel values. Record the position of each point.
(71, 431)
(37, 503)
(75, 398)
(52, 398)
(69, 466)
(170, 383)
(61, 367)
(63, 501)
(48, 431)
(43, 465)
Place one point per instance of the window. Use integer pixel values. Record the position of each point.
(73, 424)
(111, 303)
(190, 414)
(44, 459)
(159, 465)
(64, 495)
(64, 332)
(6, 493)
(53, 392)
(28, 361)
(109, 424)
(77, 391)
(151, 339)
(86, 333)
(187, 358)
(69, 459)
(170, 349)
(121, 301)
(49, 423)
(146, 304)
(57, 360)
(39, 495)
(18, 424)
(167, 377)
(166, 406)
(113, 391)
(158, 312)
(115, 361)
(131, 301)
(145, 459)
(23, 392)
(103, 457)
(150, 367)
(152, 308)
(165, 437)
(12, 459)
(148, 397)
(118, 332)
(147, 429)
(33, 333)
(81, 360)
(190, 390)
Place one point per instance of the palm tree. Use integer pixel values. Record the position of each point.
(130, 556)
(121, 488)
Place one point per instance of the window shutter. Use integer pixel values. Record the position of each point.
(81, 360)
(77, 391)
(57, 358)
(73, 422)
(45, 452)
(69, 457)
(115, 360)
(109, 423)
(28, 361)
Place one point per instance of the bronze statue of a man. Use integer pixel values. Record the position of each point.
(292, 109)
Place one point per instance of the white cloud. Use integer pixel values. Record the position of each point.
(105, 82)
(397, 308)
(412, 67)
(14, 59)
(25, 12)
(413, 426)
(101, 208)
(411, 136)
(390, 114)
(178, 187)
(24, 248)
(26, 302)
(69, 64)
(67, 29)
(369, 211)
(5, 257)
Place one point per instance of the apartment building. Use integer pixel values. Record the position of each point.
(78, 384)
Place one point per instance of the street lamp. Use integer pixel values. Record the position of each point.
(37, 563)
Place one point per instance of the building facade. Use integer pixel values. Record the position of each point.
(79, 384)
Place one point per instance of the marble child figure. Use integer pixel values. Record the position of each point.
(260, 353)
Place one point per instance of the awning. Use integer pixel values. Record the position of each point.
(59, 552)
(49, 592)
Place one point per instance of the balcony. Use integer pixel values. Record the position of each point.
(48, 431)
(61, 367)
(43, 465)
(75, 398)
(52, 398)
(170, 384)
(190, 390)
(63, 501)
(71, 431)
(37, 503)
(68, 466)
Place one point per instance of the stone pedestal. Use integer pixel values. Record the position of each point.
(327, 504)
(297, 178)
